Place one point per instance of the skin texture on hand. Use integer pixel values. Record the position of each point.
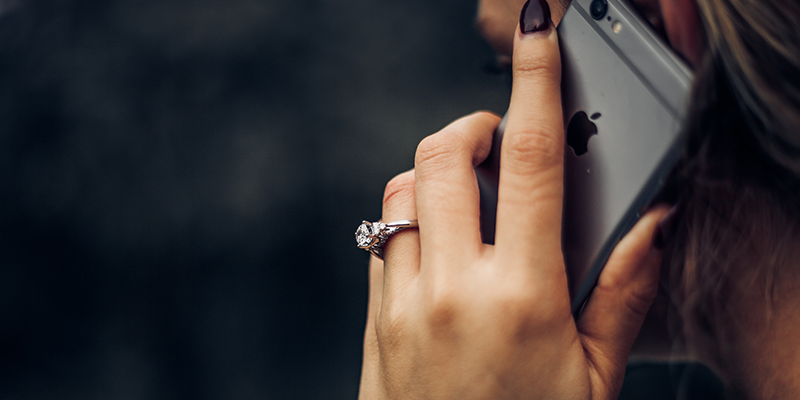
(451, 317)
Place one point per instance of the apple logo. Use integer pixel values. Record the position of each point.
(579, 130)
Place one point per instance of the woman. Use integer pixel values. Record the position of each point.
(450, 317)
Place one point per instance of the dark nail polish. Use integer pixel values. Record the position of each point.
(535, 16)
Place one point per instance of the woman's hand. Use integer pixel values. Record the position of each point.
(450, 317)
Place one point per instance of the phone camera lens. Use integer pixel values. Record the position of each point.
(598, 9)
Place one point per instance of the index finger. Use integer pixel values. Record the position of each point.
(531, 163)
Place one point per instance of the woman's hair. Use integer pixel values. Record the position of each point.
(738, 184)
(756, 43)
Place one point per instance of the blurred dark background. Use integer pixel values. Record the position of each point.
(180, 181)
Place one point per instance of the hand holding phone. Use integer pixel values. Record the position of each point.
(447, 311)
(623, 93)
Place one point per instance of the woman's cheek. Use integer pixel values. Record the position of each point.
(497, 21)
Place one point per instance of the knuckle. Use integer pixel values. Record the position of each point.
(438, 150)
(637, 298)
(444, 311)
(534, 145)
(526, 326)
(488, 115)
(640, 298)
(401, 186)
(536, 66)
(441, 321)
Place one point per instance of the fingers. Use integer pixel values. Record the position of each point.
(531, 162)
(626, 289)
(370, 373)
(442, 193)
(375, 292)
(447, 190)
(401, 251)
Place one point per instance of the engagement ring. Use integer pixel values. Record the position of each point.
(371, 236)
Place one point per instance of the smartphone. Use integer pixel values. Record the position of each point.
(624, 94)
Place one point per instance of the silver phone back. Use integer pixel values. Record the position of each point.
(634, 89)
(619, 72)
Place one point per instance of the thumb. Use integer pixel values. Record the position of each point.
(625, 290)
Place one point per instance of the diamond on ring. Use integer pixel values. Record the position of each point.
(364, 235)
(371, 236)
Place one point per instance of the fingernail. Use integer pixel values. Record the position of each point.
(535, 16)
(666, 228)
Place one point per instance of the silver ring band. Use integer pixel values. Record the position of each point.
(371, 236)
